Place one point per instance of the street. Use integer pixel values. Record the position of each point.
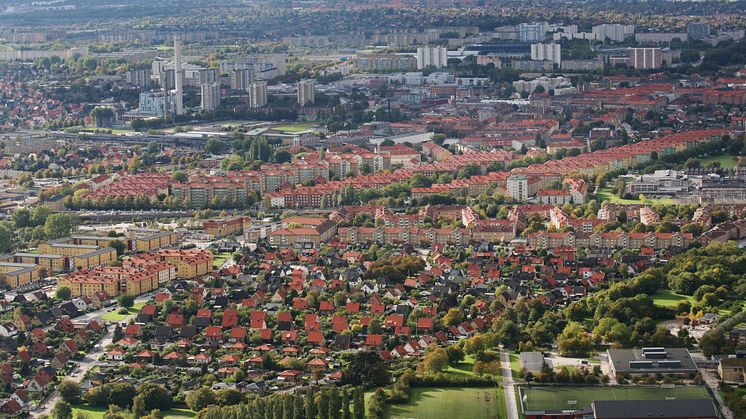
(509, 386)
(90, 360)
(712, 382)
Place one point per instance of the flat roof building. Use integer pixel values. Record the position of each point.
(666, 361)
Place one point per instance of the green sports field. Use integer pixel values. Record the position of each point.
(294, 128)
(550, 398)
(447, 403)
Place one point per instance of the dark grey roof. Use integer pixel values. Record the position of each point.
(633, 409)
(621, 358)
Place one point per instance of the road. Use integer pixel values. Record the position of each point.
(509, 386)
(712, 382)
(90, 360)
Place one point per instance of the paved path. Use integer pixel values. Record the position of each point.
(509, 386)
(712, 382)
(89, 361)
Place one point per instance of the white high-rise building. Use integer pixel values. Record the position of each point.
(532, 32)
(179, 76)
(547, 52)
(645, 58)
(432, 57)
(613, 31)
(153, 103)
(210, 96)
(208, 75)
(258, 94)
(241, 79)
(306, 92)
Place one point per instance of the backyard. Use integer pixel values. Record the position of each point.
(549, 398)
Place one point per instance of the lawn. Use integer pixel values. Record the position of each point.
(219, 259)
(447, 403)
(670, 299)
(98, 412)
(515, 365)
(113, 131)
(293, 128)
(462, 369)
(605, 194)
(548, 398)
(726, 161)
(114, 316)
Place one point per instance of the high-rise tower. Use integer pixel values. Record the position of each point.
(179, 76)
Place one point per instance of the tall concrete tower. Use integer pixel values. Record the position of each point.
(179, 76)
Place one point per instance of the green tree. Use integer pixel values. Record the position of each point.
(62, 410)
(58, 226)
(335, 402)
(229, 397)
(435, 361)
(358, 404)
(64, 294)
(8, 238)
(453, 317)
(126, 301)
(309, 404)
(122, 394)
(69, 391)
(119, 246)
(200, 398)
(323, 403)
(180, 176)
(154, 396)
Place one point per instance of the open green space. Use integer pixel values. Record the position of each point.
(461, 369)
(605, 194)
(668, 298)
(114, 316)
(727, 161)
(98, 412)
(219, 259)
(515, 365)
(447, 403)
(293, 128)
(549, 398)
(113, 131)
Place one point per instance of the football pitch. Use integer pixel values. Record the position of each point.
(558, 398)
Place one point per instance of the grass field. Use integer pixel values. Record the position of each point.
(546, 398)
(726, 161)
(114, 316)
(462, 369)
(515, 365)
(98, 412)
(668, 298)
(447, 403)
(605, 194)
(113, 131)
(293, 128)
(219, 259)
